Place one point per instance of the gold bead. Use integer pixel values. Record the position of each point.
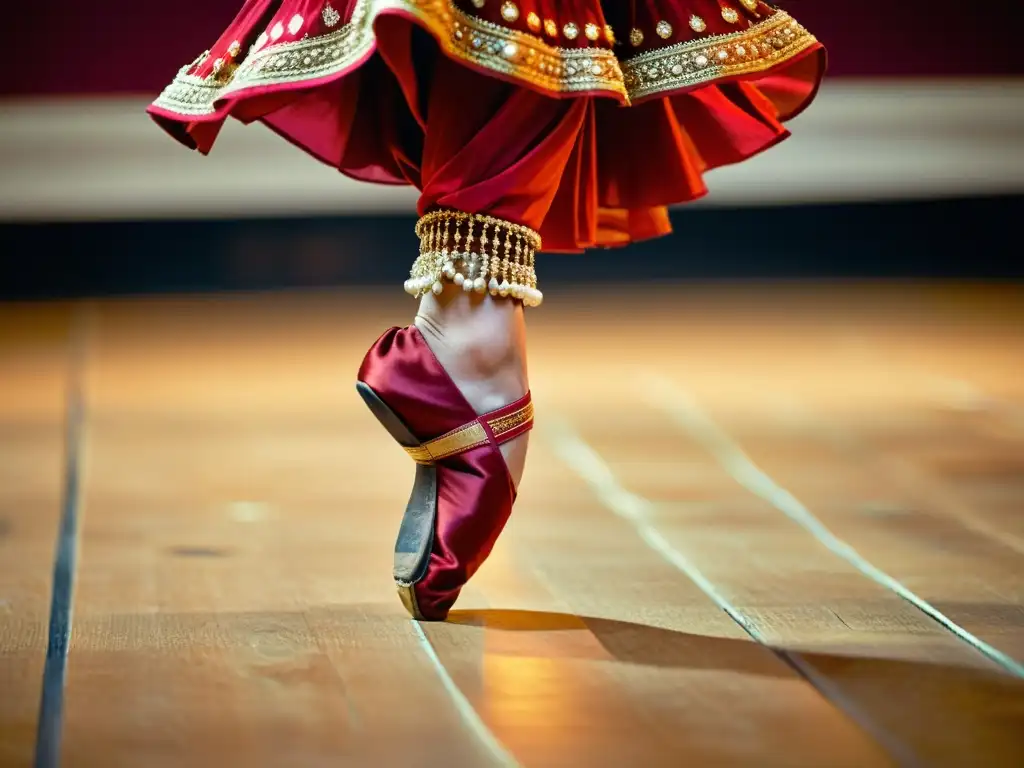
(478, 3)
(571, 31)
(730, 15)
(509, 12)
(664, 30)
(697, 24)
(751, 5)
(636, 37)
(592, 31)
(609, 34)
(550, 28)
(533, 21)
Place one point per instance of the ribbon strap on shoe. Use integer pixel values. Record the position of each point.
(502, 425)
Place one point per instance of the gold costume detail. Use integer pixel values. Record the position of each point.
(519, 55)
(457, 441)
(444, 258)
(504, 424)
(684, 65)
(469, 436)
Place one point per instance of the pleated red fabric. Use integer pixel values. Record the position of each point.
(583, 120)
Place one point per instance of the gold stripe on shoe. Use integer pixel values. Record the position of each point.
(470, 436)
(462, 439)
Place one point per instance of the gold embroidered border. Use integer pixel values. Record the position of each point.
(516, 54)
(274, 64)
(517, 418)
(510, 52)
(469, 436)
(756, 49)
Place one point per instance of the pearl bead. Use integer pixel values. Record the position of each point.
(467, 285)
(459, 279)
(479, 285)
(503, 288)
(493, 286)
(437, 288)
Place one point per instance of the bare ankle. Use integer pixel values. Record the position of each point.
(481, 342)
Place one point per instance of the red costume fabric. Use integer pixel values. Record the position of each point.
(580, 119)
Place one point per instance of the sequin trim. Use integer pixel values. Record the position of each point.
(685, 65)
(516, 54)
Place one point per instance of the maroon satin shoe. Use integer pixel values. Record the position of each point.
(463, 493)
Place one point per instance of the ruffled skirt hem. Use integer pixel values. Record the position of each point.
(359, 96)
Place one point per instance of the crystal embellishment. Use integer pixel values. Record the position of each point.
(330, 16)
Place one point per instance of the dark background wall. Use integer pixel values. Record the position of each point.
(968, 238)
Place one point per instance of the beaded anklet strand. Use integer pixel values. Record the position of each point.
(478, 253)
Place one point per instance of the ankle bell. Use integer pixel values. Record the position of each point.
(477, 253)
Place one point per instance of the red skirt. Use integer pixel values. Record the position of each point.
(582, 119)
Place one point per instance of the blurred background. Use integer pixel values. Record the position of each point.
(910, 164)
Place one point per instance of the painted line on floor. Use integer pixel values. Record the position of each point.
(671, 399)
(636, 510)
(468, 712)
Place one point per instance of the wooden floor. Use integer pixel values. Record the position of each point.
(761, 526)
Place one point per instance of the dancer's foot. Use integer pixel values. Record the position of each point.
(481, 342)
(452, 389)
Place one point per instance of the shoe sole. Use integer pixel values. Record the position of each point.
(416, 532)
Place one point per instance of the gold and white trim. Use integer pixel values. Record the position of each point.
(705, 60)
(511, 53)
(477, 253)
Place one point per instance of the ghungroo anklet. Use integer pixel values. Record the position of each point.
(478, 253)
